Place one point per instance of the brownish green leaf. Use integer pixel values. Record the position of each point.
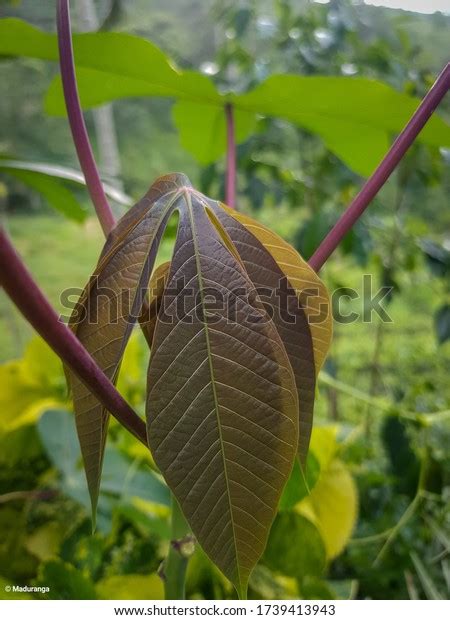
(232, 352)
(287, 312)
(222, 404)
(307, 284)
(105, 314)
(151, 308)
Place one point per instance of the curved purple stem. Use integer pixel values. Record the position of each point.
(76, 120)
(230, 183)
(24, 292)
(383, 171)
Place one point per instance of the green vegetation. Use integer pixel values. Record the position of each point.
(372, 518)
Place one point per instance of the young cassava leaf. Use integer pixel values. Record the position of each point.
(222, 405)
(109, 306)
(287, 313)
(313, 307)
(230, 360)
(150, 311)
(307, 284)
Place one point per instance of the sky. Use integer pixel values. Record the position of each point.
(421, 6)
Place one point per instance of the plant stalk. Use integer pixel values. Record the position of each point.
(181, 547)
(384, 170)
(76, 120)
(32, 303)
(230, 182)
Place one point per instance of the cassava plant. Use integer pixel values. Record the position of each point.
(238, 326)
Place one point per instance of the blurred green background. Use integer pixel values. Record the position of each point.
(377, 521)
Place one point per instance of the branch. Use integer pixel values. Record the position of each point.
(230, 184)
(383, 172)
(24, 292)
(76, 120)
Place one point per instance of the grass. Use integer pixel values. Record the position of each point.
(60, 254)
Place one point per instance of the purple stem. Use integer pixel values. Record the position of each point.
(384, 170)
(230, 185)
(24, 292)
(76, 120)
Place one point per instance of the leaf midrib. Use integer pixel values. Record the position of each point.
(213, 381)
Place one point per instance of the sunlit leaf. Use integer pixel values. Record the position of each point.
(131, 587)
(324, 444)
(356, 117)
(29, 386)
(203, 131)
(333, 506)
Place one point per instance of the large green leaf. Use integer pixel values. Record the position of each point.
(354, 116)
(122, 481)
(55, 172)
(55, 192)
(119, 60)
(188, 86)
(203, 130)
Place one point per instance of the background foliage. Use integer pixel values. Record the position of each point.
(376, 521)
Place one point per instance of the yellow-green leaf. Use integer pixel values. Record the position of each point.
(29, 385)
(131, 587)
(333, 506)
